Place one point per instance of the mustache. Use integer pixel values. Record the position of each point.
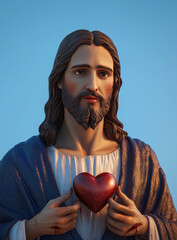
(89, 93)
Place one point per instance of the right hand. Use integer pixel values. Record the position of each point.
(53, 219)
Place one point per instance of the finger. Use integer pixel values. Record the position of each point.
(115, 230)
(77, 204)
(123, 198)
(121, 233)
(58, 201)
(120, 208)
(120, 217)
(118, 225)
(121, 229)
(62, 221)
(69, 226)
(60, 230)
(63, 211)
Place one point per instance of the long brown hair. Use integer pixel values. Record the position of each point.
(54, 109)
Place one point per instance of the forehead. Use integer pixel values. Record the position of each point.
(92, 55)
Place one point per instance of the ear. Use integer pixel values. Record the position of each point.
(59, 84)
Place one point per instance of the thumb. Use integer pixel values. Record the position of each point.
(58, 201)
(77, 204)
(123, 198)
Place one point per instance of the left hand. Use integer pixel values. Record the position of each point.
(125, 219)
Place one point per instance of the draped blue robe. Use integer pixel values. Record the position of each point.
(27, 183)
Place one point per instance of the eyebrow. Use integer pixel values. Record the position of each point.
(88, 66)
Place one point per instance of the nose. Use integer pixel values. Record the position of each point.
(92, 82)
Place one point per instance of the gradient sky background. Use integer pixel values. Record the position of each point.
(145, 33)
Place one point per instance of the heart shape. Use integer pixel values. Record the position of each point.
(94, 191)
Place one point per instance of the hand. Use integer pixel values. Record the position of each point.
(53, 219)
(125, 219)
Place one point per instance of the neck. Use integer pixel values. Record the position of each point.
(73, 136)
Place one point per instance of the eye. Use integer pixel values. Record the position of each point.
(103, 74)
(80, 72)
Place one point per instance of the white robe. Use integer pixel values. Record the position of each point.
(90, 226)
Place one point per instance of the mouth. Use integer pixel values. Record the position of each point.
(90, 99)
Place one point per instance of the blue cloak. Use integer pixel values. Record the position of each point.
(27, 183)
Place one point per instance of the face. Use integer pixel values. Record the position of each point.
(87, 85)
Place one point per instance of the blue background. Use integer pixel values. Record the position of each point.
(145, 33)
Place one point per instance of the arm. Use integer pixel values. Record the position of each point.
(24, 195)
(123, 225)
(17, 231)
(53, 219)
(144, 182)
(153, 232)
(164, 212)
(125, 219)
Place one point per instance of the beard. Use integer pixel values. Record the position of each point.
(85, 116)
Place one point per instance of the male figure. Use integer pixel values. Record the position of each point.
(81, 132)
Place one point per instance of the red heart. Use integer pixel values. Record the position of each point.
(94, 191)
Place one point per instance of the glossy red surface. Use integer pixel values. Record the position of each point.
(94, 191)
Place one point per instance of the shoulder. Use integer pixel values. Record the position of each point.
(24, 149)
(134, 143)
(139, 150)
